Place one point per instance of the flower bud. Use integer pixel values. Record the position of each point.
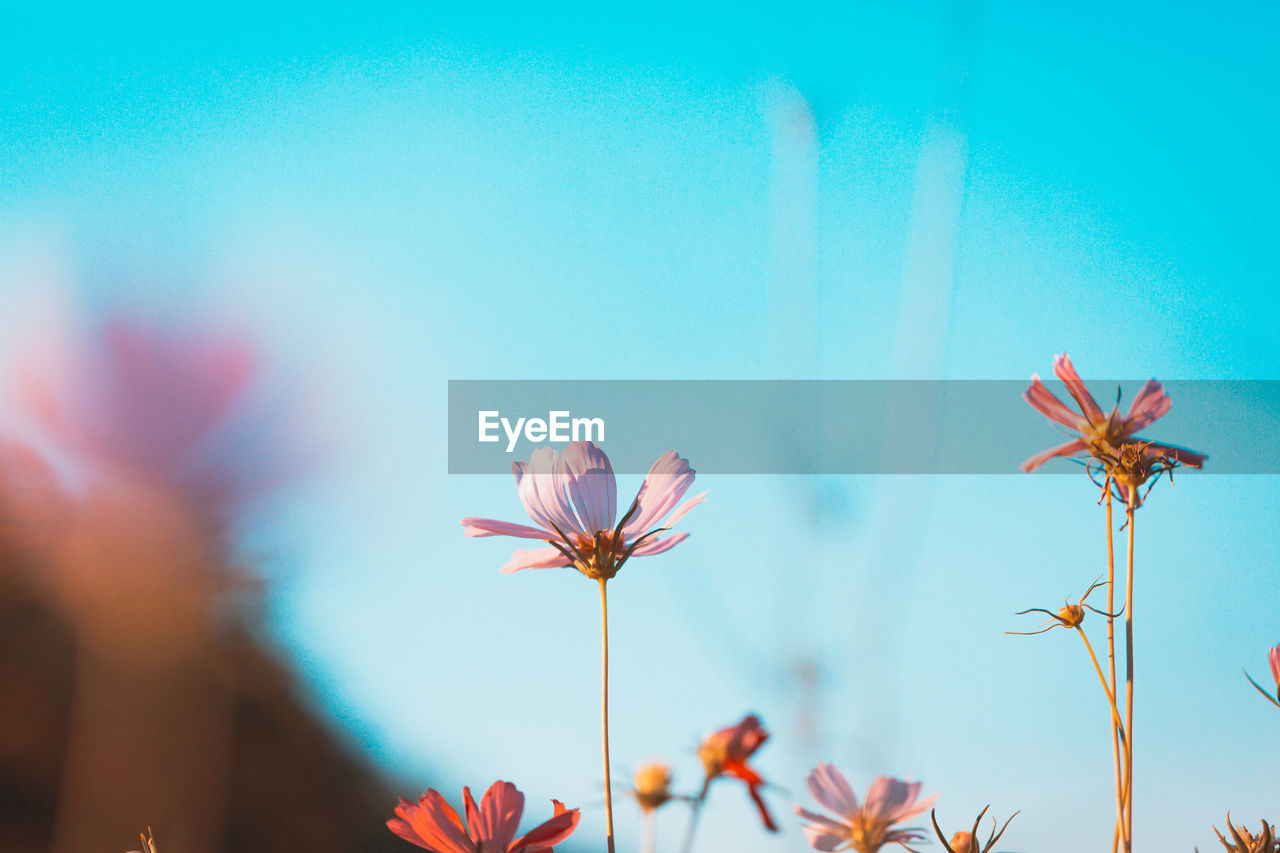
(652, 785)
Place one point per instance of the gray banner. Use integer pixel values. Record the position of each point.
(838, 427)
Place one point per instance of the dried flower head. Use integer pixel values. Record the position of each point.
(967, 842)
(651, 785)
(1246, 842)
(1068, 616)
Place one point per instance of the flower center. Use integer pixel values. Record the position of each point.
(598, 555)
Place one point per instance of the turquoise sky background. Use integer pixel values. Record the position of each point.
(390, 198)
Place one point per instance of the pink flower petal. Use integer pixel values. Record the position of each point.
(591, 485)
(830, 788)
(534, 558)
(664, 485)
(658, 545)
(1064, 370)
(1150, 404)
(1043, 401)
(685, 507)
(1274, 658)
(493, 527)
(541, 485)
(1073, 446)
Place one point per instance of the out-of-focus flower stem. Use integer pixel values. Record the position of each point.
(649, 845)
(694, 813)
(1128, 647)
(604, 712)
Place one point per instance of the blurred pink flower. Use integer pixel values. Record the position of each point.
(1100, 432)
(490, 828)
(1275, 667)
(725, 753)
(573, 497)
(864, 827)
(170, 406)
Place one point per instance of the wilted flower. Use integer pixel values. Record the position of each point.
(651, 785)
(1101, 433)
(866, 827)
(1068, 616)
(1246, 842)
(1273, 658)
(490, 828)
(573, 497)
(967, 841)
(725, 753)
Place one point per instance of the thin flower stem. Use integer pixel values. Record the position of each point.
(1115, 712)
(695, 811)
(1128, 648)
(1117, 734)
(1111, 666)
(649, 845)
(604, 713)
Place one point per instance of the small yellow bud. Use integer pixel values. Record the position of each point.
(652, 785)
(962, 842)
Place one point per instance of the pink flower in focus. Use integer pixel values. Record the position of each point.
(573, 497)
(491, 828)
(864, 827)
(1100, 432)
(725, 753)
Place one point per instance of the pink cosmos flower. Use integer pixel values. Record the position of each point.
(1100, 432)
(1275, 667)
(864, 827)
(573, 500)
(491, 828)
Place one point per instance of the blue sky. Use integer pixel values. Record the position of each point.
(393, 198)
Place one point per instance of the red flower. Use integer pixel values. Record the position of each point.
(725, 753)
(491, 827)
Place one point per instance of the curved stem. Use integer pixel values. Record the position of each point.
(1116, 725)
(604, 713)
